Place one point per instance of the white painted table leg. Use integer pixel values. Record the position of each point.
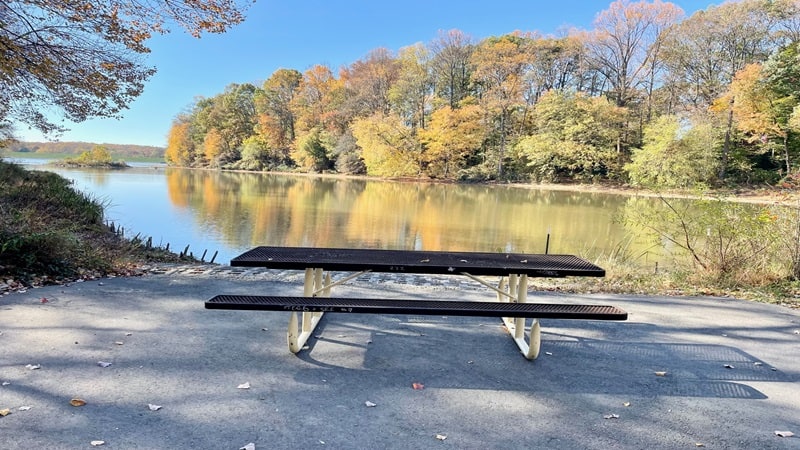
(518, 292)
(300, 331)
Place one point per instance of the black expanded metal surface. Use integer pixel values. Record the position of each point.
(418, 307)
(409, 261)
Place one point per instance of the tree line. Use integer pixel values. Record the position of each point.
(647, 96)
(76, 148)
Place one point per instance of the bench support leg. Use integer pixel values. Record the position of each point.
(515, 289)
(299, 331)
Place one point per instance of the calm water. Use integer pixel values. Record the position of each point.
(232, 212)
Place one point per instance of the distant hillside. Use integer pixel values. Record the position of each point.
(76, 148)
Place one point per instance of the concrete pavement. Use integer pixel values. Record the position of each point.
(731, 371)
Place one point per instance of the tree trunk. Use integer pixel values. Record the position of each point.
(502, 152)
(726, 146)
(786, 153)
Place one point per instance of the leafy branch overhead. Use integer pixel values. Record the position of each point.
(85, 59)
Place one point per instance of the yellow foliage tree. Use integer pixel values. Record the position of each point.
(389, 147)
(213, 145)
(179, 145)
(452, 136)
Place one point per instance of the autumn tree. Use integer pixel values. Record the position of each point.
(214, 147)
(787, 13)
(624, 44)
(704, 52)
(318, 100)
(411, 93)
(450, 66)
(180, 148)
(452, 136)
(555, 64)
(85, 59)
(390, 148)
(276, 121)
(763, 99)
(500, 67)
(317, 107)
(367, 83)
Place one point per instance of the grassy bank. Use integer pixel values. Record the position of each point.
(51, 232)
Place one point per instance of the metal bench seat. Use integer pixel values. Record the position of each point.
(416, 307)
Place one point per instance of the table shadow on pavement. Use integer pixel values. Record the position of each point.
(477, 353)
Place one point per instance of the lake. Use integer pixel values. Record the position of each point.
(228, 213)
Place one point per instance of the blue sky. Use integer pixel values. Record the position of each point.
(297, 35)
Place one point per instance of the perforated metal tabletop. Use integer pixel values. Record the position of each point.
(419, 262)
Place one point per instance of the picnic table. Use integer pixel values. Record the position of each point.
(511, 302)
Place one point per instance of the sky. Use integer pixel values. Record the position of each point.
(298, 35)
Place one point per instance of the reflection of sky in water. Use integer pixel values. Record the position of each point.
(137, 199)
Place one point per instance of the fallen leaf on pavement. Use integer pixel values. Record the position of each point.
(417, 386)
(77, 402)
(244, 386)
(370, 404)
(4, 412)
(154, 407)
(784, 433)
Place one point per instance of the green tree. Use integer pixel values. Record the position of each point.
(255, 155)
(675, 155)
(313, 151)
(574, 136)
(83, 59)
(782, 80)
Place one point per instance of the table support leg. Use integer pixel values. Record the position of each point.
(517, 288)
(299, 332)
